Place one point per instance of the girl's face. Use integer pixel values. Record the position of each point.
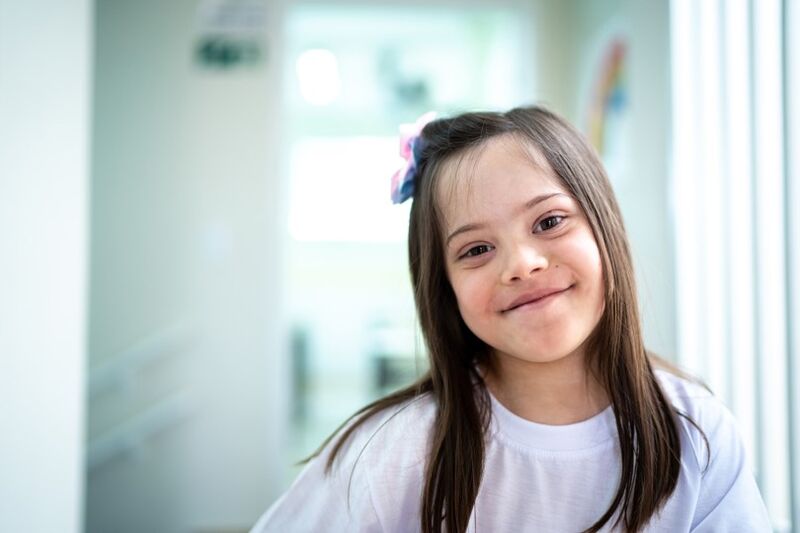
(520, 254)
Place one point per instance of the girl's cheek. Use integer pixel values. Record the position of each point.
(585, 251)
(480, 294)
(465, 286)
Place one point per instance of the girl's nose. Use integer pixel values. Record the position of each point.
(522, 262)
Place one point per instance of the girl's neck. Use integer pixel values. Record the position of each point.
(554, 393)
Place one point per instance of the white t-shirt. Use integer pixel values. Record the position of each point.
(536, 477)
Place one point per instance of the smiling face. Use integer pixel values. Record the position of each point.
(520, 254)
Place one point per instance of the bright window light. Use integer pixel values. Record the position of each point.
(318, 75)
(340, 190)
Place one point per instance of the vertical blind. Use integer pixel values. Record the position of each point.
(737, 243)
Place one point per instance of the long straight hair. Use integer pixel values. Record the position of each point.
(649, 442)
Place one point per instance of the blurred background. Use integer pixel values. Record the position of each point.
(201, 274)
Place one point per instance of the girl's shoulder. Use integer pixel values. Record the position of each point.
(377, 473)
(716, 474)
(394, 438)
(706, 422)
(684, 393)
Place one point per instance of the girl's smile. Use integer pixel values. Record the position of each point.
(536, 299)
(521, 257)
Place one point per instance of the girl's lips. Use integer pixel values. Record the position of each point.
(534, 302)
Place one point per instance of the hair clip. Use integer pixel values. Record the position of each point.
(410, 148)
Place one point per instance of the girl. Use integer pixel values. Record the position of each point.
(542, 410)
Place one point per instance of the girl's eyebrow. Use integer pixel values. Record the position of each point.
(529, 204)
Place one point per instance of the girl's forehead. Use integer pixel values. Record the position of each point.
(500, 171)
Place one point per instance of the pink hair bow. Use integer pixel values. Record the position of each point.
(410, 149)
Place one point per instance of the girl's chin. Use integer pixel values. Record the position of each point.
(532, 358)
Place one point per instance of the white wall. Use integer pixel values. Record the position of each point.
(44, 97)
(646, 201)
(187, 220)
(555, 44)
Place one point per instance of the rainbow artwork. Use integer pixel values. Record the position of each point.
(609, 94)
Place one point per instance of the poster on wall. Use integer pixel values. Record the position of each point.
(230, 34)
(607, 110)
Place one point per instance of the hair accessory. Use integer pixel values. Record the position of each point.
(410, 150)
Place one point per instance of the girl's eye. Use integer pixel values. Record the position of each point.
(549, 222)
(477, 250)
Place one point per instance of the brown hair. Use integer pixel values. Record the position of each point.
(646, 425)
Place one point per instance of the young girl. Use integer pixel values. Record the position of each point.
(542, 410)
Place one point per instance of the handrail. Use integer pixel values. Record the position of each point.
(117, 371)
(128, 436)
